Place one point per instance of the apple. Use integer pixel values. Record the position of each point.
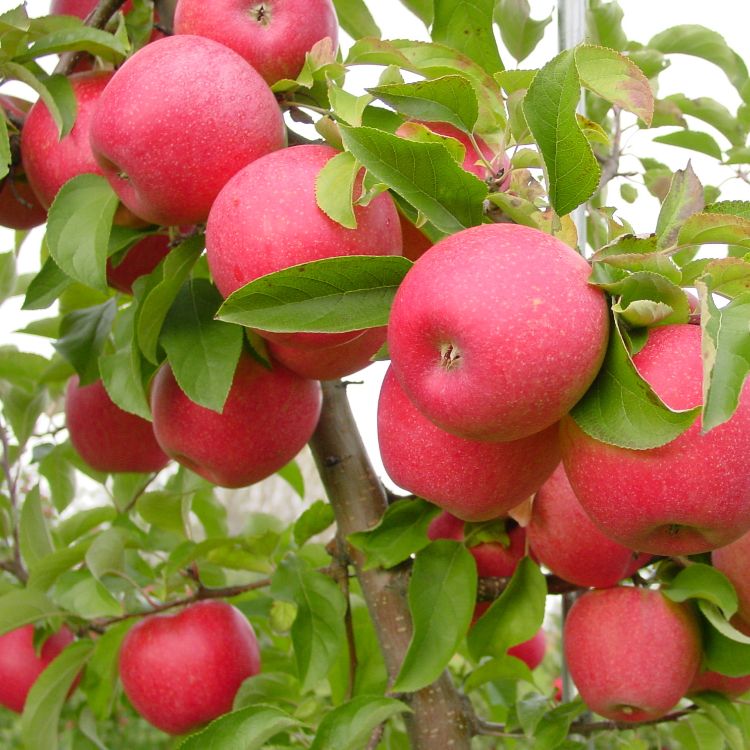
(266, 219)
(415, 243)
(139, 260)
(331, 362)
(273, 37)
(733, 560)
(268, 417)
(495, 332)
(493, 559)
(689, 496)
(565, 540)
(181, 671)
(106, 437)
(21, 664)
(473, 480)
(177, 121)
(719, 683)
(632, 652)
(80, 8)
(531, 652)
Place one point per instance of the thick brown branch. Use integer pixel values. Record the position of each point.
(440, 717)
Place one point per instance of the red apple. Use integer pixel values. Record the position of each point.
(20, 664)
(531, 652)
(415, 243)
(473, 480)
(733, 561)
(273, 37)
(177, 121)
(331, 362)
(268, 417)
(719, 683)
(181, 671)
(139, 260)
(478, 338)
(106, 437)
(80, 8)
(267, 219)
(689, 496)
(632, 652)
(565, 540)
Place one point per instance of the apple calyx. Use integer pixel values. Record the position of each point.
(450, 356)
(261, 13)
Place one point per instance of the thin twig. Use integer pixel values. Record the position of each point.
(376, 736)
(611, 164)
(15, 566)
(341, 573)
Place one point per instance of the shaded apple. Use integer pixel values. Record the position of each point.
(106, 437)
(273, 37)
(268, 417)
(331, 362)
(719, 683)
(733, 560)
(183, 670)
(531, 652)
(477, 337)
(168, 150)
(21, 664)
(565, 540)
(473, 480)
(632, 652)
(415, 243)
(139, 260)
(688, 496)
(267, 219)
(80, 8)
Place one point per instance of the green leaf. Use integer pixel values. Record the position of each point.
(604, 24)
(424, 174)
(550, 109)
(726, 352)
(350, 726)
(23, 607)
(247, 729)
(280, 687)
(78, 227)
(7, 273)
(313, 520)
(445, 99)
(23, 369)
(22, 409)
(58, 472)
(107, 552)
(82, 337)
(616, 79)
(202, 352)
(698, 41)
(355, 18)
(466, 25)
(44, 573)
(694, 140)
(292, 475)
(95, 41)
(712, 112)
(122, 377)
(165, 510)
(39, 724)
(156, 293)
(79, 592)
(331, 295)
(520, 33)
(621, 408)
(334, 188)
(514, 617)
(723, 653)
(649, 299)
(505, 667)
(724, 715)
(401, 532)
(685, 198)
(716, 228)
(346, 106)
(34, 536)
(442, 595)
(318, 630)
(422, 9)
(75, 526)
(699, 581)
(631, 253)
(46, 286)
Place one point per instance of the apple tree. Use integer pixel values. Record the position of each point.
(231, 225)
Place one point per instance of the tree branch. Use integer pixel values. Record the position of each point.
(14, 566)
(440, 718)
(611, 164)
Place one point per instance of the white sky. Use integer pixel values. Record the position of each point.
(643, 19)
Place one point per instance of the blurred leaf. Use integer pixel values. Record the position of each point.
(442, 595)
(75, 526)
(500, 668)
(22, 369)
(712, 112)
(694, 140)
(165, 510)
(202, 352)
(550, 109)
(649, 299)
(46, 286)
(292, 475)
(700, 581)
(332, 295)
(82, 594)
(520, 33)
(7, 267)
(23, 607)
(401, 532)
(44, 573)
(422, 9)
(684, 199)
(724, 715)
(313, 520)
(355, 18)
(604, 24)
(716, 228)
(95, 41)
(107, 552)
(334, 188)
(34, 537)
(58, 472)
(22, 409)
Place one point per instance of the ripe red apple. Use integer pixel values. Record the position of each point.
(181, 671)
(473, 480)
(632, 652)
(689, 496)
(331, 362)
(273, 37)
(494, 559)
(719, 683)
(139, 260)
(266, 218)
(531, 652)
(733, 560)
(177, 121)
(80, 8)
(268, 417)
(106, 437)
(477, 335)
(415, 243)
(565, 540)
(20, 664)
